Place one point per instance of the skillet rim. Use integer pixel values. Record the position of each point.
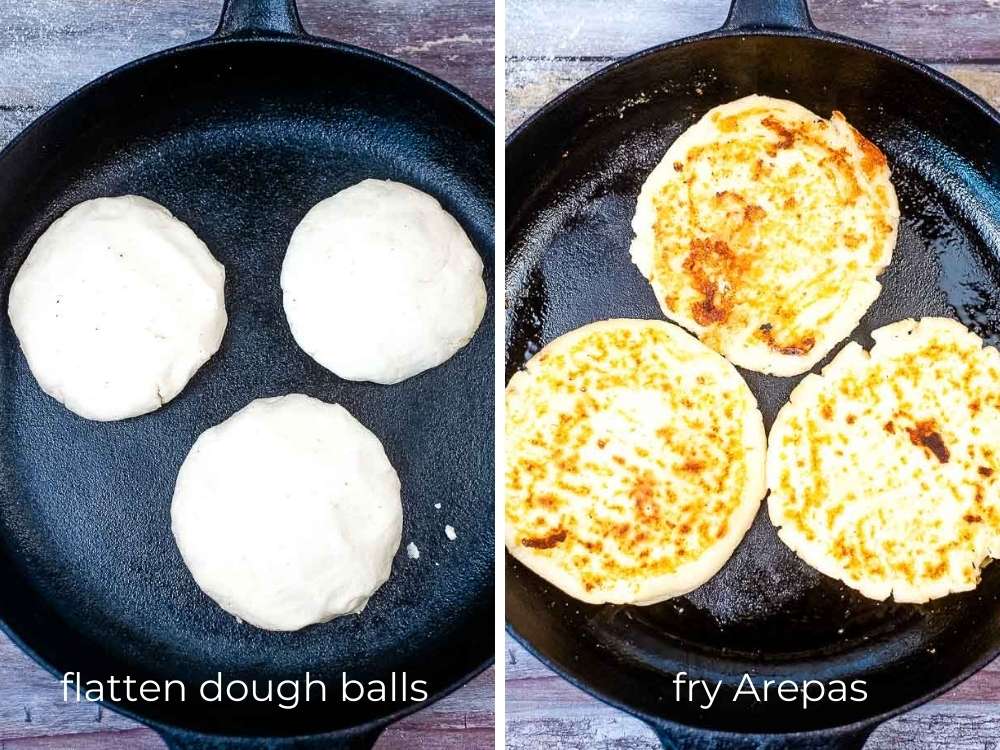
(836, 40)
(862, 727)
(484, 117)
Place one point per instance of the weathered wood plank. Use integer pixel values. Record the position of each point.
(982, 79)
(453, 39)
(31, 702)
(545, 709)
(553, 44)
(49, 48)
(531, 83)
(133, 739)
(400, 737)
(33, 716)
(942, 31)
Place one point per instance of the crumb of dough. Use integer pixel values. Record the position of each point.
(412, 552)
(437, 505)
(449, 532)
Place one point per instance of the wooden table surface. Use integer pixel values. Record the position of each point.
(49, 48)
(551, 44)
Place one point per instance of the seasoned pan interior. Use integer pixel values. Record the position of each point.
(573, 176)
(239, 140)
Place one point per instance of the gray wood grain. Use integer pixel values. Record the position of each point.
(543, 709)
(49, 48)
(453, 39)
(33, 715)
(941, 31)
(552, 44)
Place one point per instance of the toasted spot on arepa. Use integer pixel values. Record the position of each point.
(763, 231)
(882, 468)
(635, 462)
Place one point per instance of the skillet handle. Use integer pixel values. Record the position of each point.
(192, 741)
(260, 18)
(683, 738)
(769, 14)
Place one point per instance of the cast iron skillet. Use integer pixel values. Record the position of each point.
(573, 174)
(239, 135)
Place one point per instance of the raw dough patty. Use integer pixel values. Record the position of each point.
(763, 230)
(885, 470)
(288, 513)
(116, 307)
(635, 462)
(381, 283)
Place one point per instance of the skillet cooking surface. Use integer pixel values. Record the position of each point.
(573, 178)
(239, 140)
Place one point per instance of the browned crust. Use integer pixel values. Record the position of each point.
(668, 502)
(545, 542)
(725, 250)
(926, 435)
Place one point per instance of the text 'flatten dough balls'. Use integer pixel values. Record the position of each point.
(116, 306)
(288, 513)
(381, 283)
(635, 462)
(885, 470)
(763, 230)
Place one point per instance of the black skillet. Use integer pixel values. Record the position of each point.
(573, 174)
(239, 135)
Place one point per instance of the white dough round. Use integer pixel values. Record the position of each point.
(116, 306)
(288, 513)
(381, 283)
